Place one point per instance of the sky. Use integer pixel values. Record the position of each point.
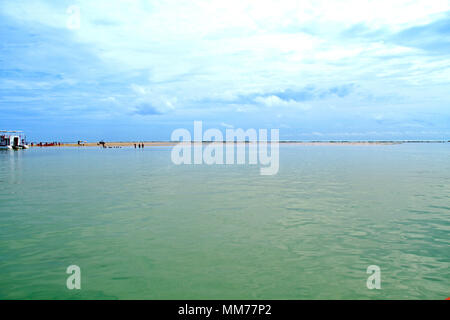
(137, 70)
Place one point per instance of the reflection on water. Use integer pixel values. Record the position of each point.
(141, 227)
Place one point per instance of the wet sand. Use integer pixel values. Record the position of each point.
(114, 144)
(168, 143)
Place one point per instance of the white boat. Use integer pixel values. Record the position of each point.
(12, 140)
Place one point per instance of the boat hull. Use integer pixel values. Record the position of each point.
(5, 147)
(21, 146)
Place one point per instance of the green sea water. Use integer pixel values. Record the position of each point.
(140, 227)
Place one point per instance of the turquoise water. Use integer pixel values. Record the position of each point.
(140, 227)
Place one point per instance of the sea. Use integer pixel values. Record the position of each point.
(139, 226)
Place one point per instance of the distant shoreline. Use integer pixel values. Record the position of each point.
(303, 143)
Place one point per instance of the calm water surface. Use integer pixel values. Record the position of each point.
(140, 227)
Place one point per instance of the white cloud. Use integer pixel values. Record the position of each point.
(275, 101)
(226, 125)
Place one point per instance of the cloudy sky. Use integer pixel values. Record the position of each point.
(136, 69)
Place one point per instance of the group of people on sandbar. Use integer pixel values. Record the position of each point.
(140, 145)
(103, 144)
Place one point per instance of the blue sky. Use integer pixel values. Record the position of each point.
(317, 70)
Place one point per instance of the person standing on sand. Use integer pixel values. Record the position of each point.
(135, 145)
(142, 145)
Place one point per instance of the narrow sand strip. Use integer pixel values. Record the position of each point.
(168, 143)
